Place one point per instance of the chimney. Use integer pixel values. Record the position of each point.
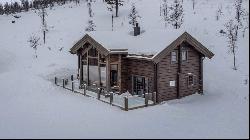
(137, 30)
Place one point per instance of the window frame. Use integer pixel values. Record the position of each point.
(184, 50)
(191, 84)
(171, 58)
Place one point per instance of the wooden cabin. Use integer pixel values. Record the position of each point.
(170, 65)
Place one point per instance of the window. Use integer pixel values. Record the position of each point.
(190, 80)
(173, 57)
(184, 55)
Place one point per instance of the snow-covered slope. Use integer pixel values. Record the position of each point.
(32, 107)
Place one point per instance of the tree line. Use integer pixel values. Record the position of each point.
(26, 5)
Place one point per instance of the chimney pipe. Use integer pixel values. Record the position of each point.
(137, 30)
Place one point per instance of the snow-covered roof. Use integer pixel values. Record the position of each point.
(148, 43)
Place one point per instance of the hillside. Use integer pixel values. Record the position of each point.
(33, 107)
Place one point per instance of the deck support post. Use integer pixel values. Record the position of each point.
(72, 84)
(63, 83)
(126, 103)
(56, 80)
(146, 99)
(84, 90)
(111, 98)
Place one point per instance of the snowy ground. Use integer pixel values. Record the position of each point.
(31, 106)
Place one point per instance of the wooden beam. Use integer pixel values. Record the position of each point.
(108, 73)
(99, 69)
(81, 70)
(201, 74)
(120, 73)
(87, 68)
(179, 71)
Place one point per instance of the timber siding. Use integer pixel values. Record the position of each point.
(168, 71)
(137, 67)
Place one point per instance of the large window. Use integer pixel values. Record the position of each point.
(93, 72)
(184, 55)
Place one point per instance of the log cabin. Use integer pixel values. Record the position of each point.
(171, 64)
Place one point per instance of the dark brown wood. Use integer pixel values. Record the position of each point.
(201, 74)
(146, 99)
(81, 70)
(111, 98)
(55, 80)
(126, 103)
(119, 72)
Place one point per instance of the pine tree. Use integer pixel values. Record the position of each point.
(176, 16)
(133, 16)
(114, 3)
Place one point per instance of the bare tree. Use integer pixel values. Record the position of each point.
(43, 14)
(91, 14)
(219, 13)
(34, 42)
(194, 3)
(231, 34)
(114, 3)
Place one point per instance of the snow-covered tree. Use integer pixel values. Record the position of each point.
(176, 14)
(165, 12)
(25, 5)
(1, 9)
(7, 9)
(241, 16)
(91, 26)
(114, 4)
(231, 34)
(34, 43)
(133, 15)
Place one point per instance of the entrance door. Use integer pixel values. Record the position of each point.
(114, 75)
(140, 85)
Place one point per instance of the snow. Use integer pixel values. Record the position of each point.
(31, 106)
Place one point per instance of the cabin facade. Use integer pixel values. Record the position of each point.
(174, 72)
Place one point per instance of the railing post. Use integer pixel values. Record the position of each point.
(126, 103)
(146, 99)
(63, 83)
(111, 97)
(154, 97)
(56, 80)
(99, 94)
(72, 86)
(84, 90)
(72, 77)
